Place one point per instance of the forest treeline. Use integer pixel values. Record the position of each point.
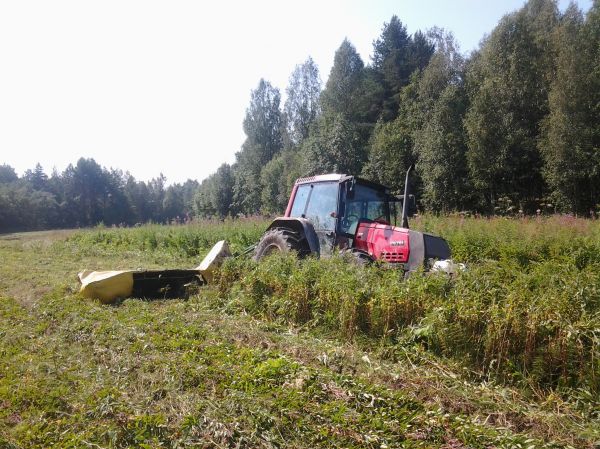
(86, 194)
(514, 127)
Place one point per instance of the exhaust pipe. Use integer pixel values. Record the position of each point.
(406, 199)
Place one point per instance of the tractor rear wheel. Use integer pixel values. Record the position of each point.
(280, 240)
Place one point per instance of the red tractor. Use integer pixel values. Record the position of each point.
(353, 215)
(324, 213)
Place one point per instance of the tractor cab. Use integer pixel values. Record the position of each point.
(336, 204)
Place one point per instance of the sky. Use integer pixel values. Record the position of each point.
(156, 87)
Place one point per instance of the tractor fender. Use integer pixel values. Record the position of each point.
(302, 227)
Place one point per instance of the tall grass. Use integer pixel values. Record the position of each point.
(180, 373)
(527, 309)
(541, 325)
(187, 240)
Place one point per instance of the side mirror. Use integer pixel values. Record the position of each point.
(411, 209)
(349, 187)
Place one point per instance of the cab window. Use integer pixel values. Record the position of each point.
(300, 200)
(317, 203)
(364, 202)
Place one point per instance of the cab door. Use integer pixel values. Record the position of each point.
(317, 202)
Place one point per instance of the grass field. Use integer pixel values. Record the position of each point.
(304, 354)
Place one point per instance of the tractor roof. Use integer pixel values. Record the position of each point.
(321, 178)
(329, 177)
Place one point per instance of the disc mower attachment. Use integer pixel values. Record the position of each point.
(213, 260)
(108, 286)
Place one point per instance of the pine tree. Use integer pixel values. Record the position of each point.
(37, 178)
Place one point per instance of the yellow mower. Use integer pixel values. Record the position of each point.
(109, 286)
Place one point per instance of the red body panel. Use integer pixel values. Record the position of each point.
(383, 242)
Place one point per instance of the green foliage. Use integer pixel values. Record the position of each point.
(344, 83)
(508, 83)
(21, 207)
(182, 373)
(441, 153)
(189, 241)
(504, 131)
(262, 123)
(214, 197)
(391, 154)
(86, 194)
(570, 141)
(7, 174)
(37, 178)
(396, 55)
(336, 145)
(428, 131)
(277, 180)
(337, 139)
(440, 141)
(302, 105)
(391, 149)
(262, 126)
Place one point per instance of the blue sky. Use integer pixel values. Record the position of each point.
(154, 86)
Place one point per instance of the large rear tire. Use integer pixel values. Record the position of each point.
(280, 240)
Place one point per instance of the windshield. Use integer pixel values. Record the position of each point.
(363, 202)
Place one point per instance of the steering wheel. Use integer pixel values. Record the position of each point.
(348, 220)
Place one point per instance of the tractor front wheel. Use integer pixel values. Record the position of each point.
(279, 240)
(357, 256)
